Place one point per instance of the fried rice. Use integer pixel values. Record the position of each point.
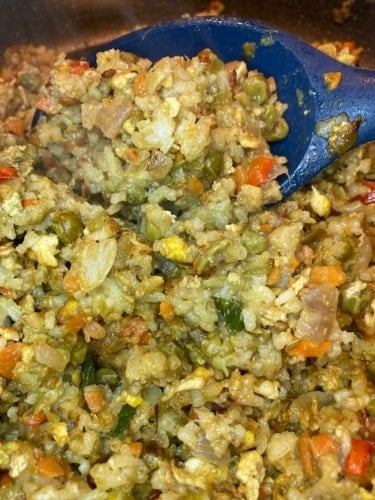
(165, 332)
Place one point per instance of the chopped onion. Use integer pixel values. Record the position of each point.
(50, 356)
(318, 316)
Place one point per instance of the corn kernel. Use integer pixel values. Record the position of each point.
(202, 372)
(249, 441)
(69, 308)
(60, 433)
(175, 248)
(130, 399)
(320, 203)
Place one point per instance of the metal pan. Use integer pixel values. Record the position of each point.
(80, 24)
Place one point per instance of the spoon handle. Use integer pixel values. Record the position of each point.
(307, 150)
(354, 95)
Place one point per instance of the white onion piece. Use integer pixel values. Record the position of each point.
(318, 315)
(50, 356)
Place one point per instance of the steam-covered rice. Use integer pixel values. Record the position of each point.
(164, 333)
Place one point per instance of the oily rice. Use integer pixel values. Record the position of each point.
(164, 332)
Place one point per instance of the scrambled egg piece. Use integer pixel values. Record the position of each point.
(250, 471)
(132, 400)
(174, 248)
(42, 246)
(320, 203)
(60, 433)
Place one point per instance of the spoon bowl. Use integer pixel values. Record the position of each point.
(298, 70)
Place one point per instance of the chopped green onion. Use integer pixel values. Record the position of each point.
(231, 311)
(123, 420)
(88, 370)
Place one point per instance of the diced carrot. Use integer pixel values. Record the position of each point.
(49, 467)
(306, 454)
(136, 448)
(76, 322)
(359, 457)
(30, 202)
(308, 349)
(9, 357)
(15, 126)
(323, 444)
(71, 283)
(7, 172)
(33, 419)
(195, 186)
(79, 67)
(94, 397)
(273, 276)
(255, 173)
(140, 84)
(333, 274)
(166, 311)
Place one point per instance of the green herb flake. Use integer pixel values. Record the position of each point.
(88, 370)
(123, 420)
(231, 311)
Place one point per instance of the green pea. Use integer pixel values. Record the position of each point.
(152, 231)
(256, 87)
(346, 138)
(213, 165)
(255, 242)
(135, 195)
(76, 376)
(31, 80)
(279, 131)
(79, 351)
(67, 226)
(353, 301)
(269, 115)
(106, 376)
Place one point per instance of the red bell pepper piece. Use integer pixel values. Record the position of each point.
(7, 172)
(359, 457)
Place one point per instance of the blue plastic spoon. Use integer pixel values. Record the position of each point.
(297, 68)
